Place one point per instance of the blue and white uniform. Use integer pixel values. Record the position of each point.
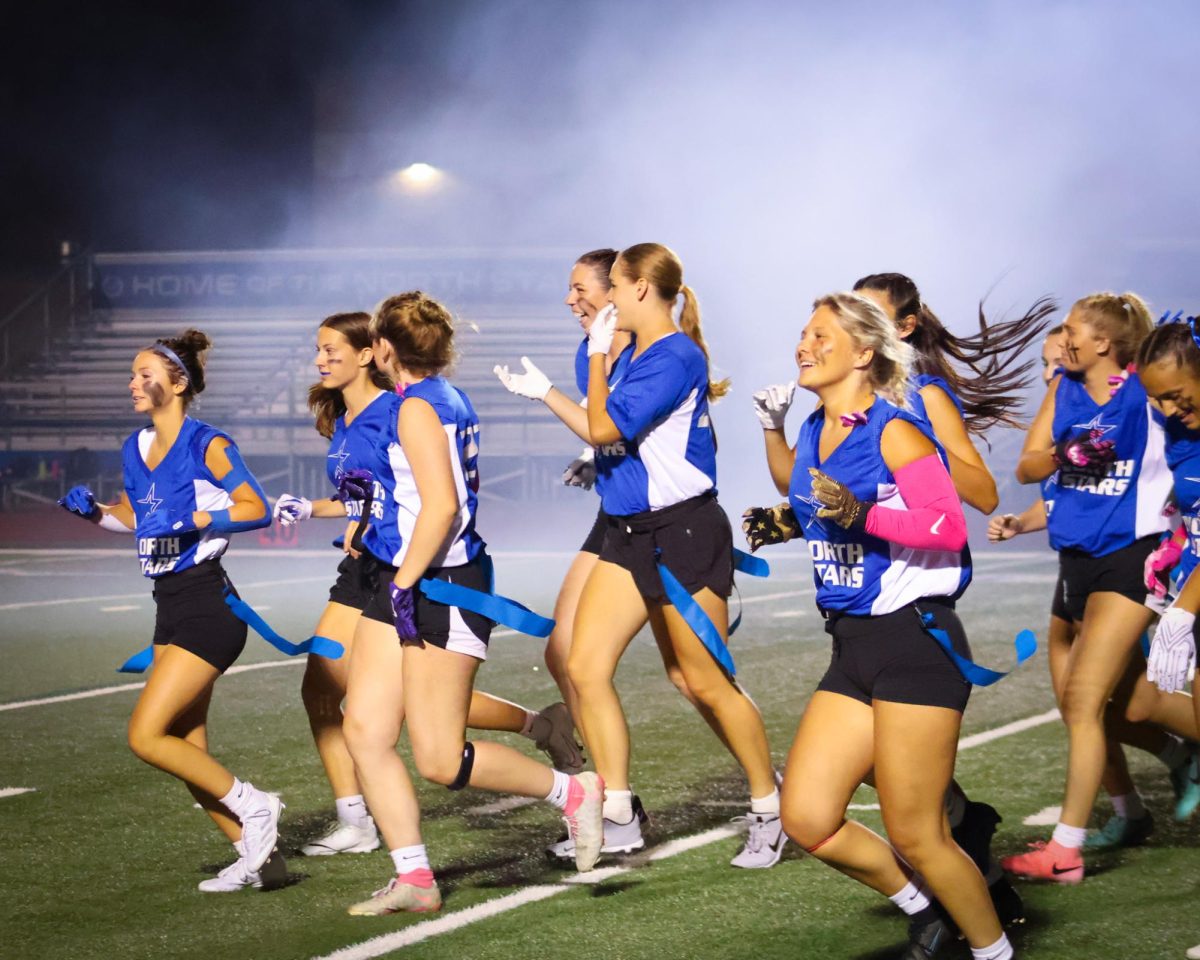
(666, 453)
(855, 572)
(396, 488)
(595, 538)
(189, 582)
(353, 446)
(463, 560)
(1097, 515)
(164, 499)
(1104, 526)
(919, 381)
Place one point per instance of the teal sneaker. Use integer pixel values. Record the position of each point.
(1120, 832)
(1185, 781)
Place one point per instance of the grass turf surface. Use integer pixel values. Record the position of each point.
(103, 858)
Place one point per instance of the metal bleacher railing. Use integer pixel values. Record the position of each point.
(67, 350)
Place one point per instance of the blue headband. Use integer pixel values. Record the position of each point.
(164, 350)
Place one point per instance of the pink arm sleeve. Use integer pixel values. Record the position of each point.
(933, 519)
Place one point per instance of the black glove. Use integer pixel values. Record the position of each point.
(764, 526)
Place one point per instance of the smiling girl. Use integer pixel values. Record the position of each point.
(186, 490)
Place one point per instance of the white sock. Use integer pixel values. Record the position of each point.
(1000, 950)
(1174, 753)
(531, 717)
(956, 806)
(767, 804)
(408, 859)
(911, 899)
(1067, 836)
(242, 799)
(239, 847)
(558, 792)
(618, 805)
(352, 810)
(1129, 806)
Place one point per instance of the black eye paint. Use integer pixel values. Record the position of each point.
(155, 393)
(1072, 353)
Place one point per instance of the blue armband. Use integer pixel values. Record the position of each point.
(239, 474)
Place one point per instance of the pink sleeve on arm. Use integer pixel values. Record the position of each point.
(933, 518)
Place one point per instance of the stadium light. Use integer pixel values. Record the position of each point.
(418, 178)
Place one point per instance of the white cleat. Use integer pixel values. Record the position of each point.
(260, 831)
(764, 841)
(236, 877)
(618, 837)
(586, 825)
(554, 733)
(344, 838)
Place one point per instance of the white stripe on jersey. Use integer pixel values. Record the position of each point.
(209, 498)
(913, 574)
(408, 502)
(1154, 481)
(670, 478)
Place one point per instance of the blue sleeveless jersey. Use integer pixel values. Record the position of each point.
(1183, 457)
(388, 537)
(170, 493)
(614, 375)
(855, 572)
(917, 382)
(353, 447)
(1098, 515)
(1049, 488)
(666, 453)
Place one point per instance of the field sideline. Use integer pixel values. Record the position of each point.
(104, 853)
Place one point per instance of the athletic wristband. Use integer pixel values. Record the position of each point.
(222, 523)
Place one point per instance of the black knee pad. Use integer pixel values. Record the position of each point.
(464, 768)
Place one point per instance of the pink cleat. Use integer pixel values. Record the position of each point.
(584, 815)
(1047, 860)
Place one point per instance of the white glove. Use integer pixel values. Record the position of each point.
(289, 509)
(582, 471)
(532, 383)
(1173, 652)
(600, 334)
(771, 405)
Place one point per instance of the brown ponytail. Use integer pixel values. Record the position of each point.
(327, 405)
(994, 394)
(661, 266)
(1124, 319)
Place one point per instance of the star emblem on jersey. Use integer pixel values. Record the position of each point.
(813, 506)
(149, 500)
(340, 455)
(1096, 424)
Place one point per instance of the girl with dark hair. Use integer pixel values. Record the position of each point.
(424, 545)
(656, 471)
(873, 497)
(187, 490)
(352, 411)
(1097, 431)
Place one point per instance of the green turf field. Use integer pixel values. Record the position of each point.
(102, 858)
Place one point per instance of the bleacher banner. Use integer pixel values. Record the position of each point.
(330, 279)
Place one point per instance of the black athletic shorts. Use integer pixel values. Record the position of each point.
(692, 539)
(1058, 605)
(893, 658)
(352, 587)
(451, 628)
(1121, 571)
(595, 538)
(191, 613)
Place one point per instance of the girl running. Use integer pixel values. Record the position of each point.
(352, 411)
(888, 537)
(187, 490)
(1130, 823)
(1106, 447)
(656, 471)
(425, 543)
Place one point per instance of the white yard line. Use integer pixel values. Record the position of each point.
(143, 594)
(15, 791)
(123, 687)
(503, 805)
(1017, 726)
(1046, 817)
(120, 608)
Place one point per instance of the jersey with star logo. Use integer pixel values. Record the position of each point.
(1100, 512)
(165, 498)
(1183, 457)
(353, 445)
